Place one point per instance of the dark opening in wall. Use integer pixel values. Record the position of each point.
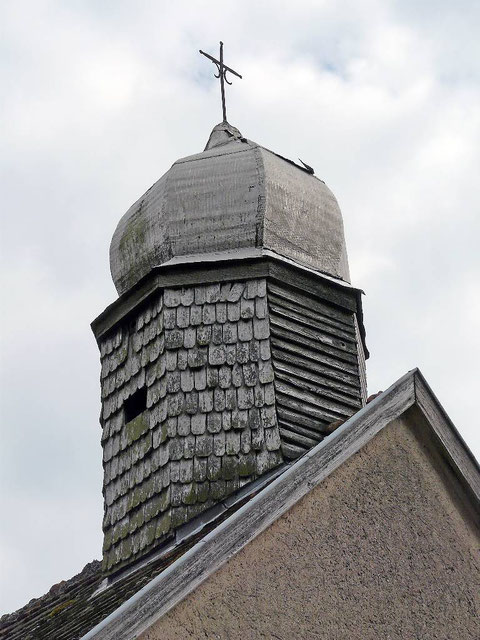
(135, 404)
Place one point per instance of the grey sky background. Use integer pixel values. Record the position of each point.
(98, 99)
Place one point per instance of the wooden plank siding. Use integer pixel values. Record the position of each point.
(316, 363)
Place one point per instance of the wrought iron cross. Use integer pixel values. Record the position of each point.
(222, 74)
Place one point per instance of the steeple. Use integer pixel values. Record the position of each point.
(235, 346)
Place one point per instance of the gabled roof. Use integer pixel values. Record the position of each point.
(169, 587)
(134, 602)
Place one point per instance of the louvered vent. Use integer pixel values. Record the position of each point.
(317, 378)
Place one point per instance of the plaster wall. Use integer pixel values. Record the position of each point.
(385, 547)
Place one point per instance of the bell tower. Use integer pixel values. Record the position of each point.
(236, 343)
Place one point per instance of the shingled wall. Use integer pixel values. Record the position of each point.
(201, 355)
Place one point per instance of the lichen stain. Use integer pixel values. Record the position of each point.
(61, 607)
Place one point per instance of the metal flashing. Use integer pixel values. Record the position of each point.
(186, 532)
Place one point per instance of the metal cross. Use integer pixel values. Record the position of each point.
(222, 74)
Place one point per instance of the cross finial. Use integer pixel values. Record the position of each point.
(222, 74)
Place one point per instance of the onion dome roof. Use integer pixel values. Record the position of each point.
(234, 195)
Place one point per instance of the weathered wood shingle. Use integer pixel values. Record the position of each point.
(209, 425)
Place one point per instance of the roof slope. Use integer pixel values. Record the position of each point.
(213, 550)
(134, 603)
(67, 611)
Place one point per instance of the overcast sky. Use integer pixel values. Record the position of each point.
(99, 98)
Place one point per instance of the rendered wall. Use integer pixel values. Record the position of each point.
(384, 548)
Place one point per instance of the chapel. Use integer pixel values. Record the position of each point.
(251, 489)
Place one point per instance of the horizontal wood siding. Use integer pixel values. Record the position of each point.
(316, 363)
